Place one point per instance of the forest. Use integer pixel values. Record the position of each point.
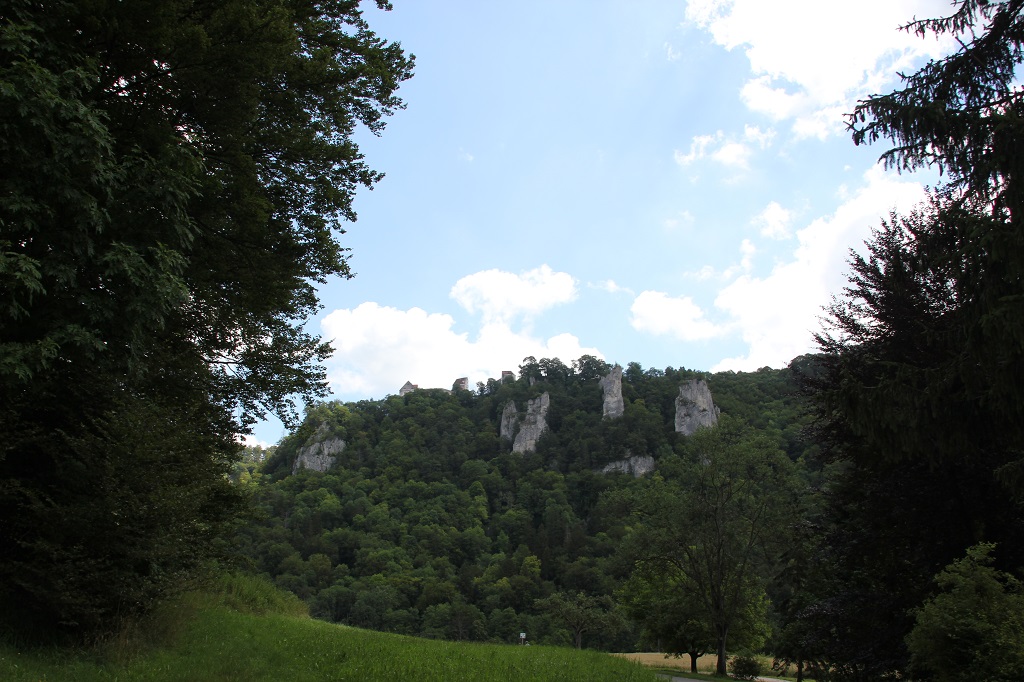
(176, 180)
(427, 522)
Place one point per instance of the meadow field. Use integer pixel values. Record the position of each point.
(249, 639)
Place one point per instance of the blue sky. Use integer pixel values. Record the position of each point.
(662, 182)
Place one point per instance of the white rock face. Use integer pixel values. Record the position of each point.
(509, 420)
(636, 466)
(694, 407)
(611, 386)
(533, 425)
(319, 452)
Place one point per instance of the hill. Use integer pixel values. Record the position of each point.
(420, 514)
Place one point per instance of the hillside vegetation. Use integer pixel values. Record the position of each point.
(427, 524)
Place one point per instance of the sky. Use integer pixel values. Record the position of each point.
(653, 181)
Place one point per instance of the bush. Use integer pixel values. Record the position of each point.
(255, 595)
(745, 667)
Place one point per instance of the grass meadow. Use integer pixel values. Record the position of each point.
(245, 637)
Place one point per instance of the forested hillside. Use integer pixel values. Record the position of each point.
(427, 523)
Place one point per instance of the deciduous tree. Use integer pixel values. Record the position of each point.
(711, 521)
(174, 177)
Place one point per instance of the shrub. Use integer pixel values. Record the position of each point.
(745, 667)
(256, 595)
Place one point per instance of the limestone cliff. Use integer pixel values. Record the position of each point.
(611, 386)
(319, 452)
(533, 425)
(694, 407)
(509, 420)
(636, 466)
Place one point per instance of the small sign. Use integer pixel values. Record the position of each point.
(522, 635)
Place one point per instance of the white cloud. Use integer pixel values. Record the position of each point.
(733, 155)
(811, 60)
(705, 273)
(379, 348)
(774, 221)
(730, 151)
(503, 296)
(776, 315)
(762, 138)
(612, 287)
(672, 54)
(748, 250)
(698, 148)
(251, 440)
(658, 313)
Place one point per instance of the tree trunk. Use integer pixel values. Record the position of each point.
(720, 667)
(693, 661)
(800, 670)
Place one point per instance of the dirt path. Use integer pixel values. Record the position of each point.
(672, 677)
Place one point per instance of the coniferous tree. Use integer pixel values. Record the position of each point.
(918, 389)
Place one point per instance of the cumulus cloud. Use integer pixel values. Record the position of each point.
(811, 60)
(776, 315)
(503, 296)
(774, 221)
(698, 148)
(730, 151)
(252, 441)
(733, 154)
(612, 287)
(658, 313)
(379, 348)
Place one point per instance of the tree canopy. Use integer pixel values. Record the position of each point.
(918, 390)
(174, 181)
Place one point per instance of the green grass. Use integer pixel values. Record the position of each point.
(224, 644)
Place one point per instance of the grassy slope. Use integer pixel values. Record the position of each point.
(223, 644)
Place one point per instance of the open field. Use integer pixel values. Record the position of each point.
(222, 645)
(705, 664)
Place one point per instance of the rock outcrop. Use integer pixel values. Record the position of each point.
(694, 407)
(320, 452)
(509, 421)
(611, 386)
(533, 425)
(636, 466)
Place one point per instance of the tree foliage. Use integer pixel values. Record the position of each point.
(711, 524)
(175, 177)
(961, 113)
(427, 507)
(974, 627)
(918, 389)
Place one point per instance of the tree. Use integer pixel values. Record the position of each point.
(711, 522)
(175, 177)
(961, 113)
(670, 612)
(580, 612)
(974, 628)
(961, 258)
(918, 394)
